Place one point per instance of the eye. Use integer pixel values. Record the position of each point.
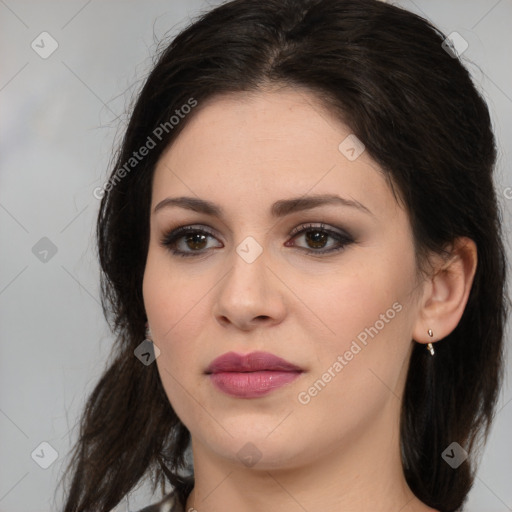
(187, 241)
(316, 236)
(193, 238)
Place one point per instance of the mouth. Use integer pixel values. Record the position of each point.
(251, 375)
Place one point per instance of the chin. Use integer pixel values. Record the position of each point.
(255, 445)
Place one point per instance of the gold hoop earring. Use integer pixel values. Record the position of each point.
(430, 347)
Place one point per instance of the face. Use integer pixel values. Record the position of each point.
(330, 288)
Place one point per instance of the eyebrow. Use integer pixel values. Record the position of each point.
(279, 208)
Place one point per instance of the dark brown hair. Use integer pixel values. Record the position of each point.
(384, 72)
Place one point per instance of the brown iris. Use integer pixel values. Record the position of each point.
(196, 239)
(317, 238)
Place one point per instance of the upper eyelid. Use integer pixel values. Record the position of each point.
(321, 226)
(298, 228)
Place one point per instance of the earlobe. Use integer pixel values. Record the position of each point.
(447, 293)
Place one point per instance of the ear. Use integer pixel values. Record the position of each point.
(446, 292)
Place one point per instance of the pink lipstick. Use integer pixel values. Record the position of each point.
(251, 375)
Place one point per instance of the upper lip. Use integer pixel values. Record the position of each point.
(253, 362)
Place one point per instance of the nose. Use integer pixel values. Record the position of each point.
(250, 295)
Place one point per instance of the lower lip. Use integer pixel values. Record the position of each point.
(251, 384)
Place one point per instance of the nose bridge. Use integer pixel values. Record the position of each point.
(248, 290)
(248, 272)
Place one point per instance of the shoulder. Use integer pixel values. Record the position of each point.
(169, 504)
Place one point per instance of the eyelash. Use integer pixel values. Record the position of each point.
(169, 239)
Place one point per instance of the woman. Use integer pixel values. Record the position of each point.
(302, 260)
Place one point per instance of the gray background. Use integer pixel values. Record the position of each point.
(59, 118)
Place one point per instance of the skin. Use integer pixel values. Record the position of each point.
(340, 451)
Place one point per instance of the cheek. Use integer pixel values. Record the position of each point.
(360, 367)
(171, 307)
(362, 314)
(177, 306)
(349, 301)
(169, 294)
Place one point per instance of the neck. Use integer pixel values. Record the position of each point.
(359, 474)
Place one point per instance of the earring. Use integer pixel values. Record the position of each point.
(430, 347)
(148, 333)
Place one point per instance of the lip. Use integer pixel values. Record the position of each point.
(251, 375)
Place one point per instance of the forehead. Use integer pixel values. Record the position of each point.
(254, 148)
